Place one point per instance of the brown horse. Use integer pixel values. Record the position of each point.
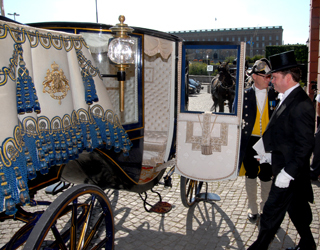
(223, 88)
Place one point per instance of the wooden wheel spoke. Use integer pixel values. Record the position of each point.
(58, 237)
(189, 188)
(94, 230)
(78, 221)
(189, 191)
(73, 227)
(86, 223)
(83, 212)
(192, 188)
(101, 244)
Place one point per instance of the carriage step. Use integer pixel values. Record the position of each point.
(57, 187)
(161, 207)
(208, 197)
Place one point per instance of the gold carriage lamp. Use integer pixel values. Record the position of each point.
(121, 52)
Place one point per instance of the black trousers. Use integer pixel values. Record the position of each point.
(280, 200)
(251, 165)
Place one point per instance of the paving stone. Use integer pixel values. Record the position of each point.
(207, 225)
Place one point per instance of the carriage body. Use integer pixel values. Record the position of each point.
(163, 127)
(149, 111)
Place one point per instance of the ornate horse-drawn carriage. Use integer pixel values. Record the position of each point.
(62, 118)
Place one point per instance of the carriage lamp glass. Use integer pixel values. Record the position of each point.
(121, 52)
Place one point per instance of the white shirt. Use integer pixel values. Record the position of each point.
(261, 95)
(286, 93)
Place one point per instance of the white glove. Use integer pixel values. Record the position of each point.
(283, 179)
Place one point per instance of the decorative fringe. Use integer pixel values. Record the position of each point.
(88, 71)
(27, 99)
(90, 90)
(36, 148)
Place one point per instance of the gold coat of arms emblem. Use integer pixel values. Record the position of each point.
(56, 83)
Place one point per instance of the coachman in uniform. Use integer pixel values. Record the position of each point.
(259, 103)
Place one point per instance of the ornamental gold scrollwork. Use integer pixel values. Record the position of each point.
(56, 83)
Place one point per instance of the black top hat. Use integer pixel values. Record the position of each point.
(283, 61)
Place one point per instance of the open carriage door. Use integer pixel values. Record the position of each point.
(208, 142)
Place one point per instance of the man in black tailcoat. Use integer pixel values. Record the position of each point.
(289, 138)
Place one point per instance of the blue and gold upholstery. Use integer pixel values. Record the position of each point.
(53, 105)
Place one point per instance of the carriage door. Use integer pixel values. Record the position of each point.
(208, 140)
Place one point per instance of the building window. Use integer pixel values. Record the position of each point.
(277, 43)
(262, 38)
(239, 39)
(257, 45)
(245, 38)
(233, 39)
(270, 37)
(221, 39)
(270, 43)
(277, 38)
(227, 39)
(263, 45)
(215, 39)
(257, 38)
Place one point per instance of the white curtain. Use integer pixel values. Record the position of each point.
(154, 45)
(97, 42)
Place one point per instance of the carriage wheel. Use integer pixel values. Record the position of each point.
(80, 218)
(189, 189)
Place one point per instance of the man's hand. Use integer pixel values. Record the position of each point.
(283, 179)
(265, 158)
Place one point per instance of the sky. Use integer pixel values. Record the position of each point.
(173, 15)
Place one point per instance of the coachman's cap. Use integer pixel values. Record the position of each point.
(283, 61)
(261, 66)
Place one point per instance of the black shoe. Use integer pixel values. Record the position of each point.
(252, 217)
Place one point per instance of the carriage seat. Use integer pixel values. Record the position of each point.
(154, 147)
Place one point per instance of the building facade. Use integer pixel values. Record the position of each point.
(257, 38)
(314, 48)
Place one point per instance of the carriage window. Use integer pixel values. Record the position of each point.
(98, 43)
(210, 79)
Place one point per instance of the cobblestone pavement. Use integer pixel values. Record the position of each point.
(207, 225)
(201, 101)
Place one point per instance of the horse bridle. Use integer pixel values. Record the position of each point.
(224, 71)
(227, 87)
